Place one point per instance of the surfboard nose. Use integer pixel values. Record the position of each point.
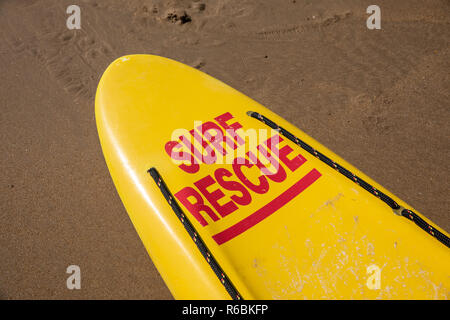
(140, 101)
(133, 83)
(128, 90)
(125, 76)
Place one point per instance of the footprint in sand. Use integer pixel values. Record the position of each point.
(74, 58)
(287, 32)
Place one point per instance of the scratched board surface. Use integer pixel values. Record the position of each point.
(280, 223)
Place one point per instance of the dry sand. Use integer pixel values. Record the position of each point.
(379, 98)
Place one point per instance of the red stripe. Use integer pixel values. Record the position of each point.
(268, 209)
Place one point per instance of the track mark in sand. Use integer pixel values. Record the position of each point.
(287, 32)
(277, 32)
(64, 61)
(144, 15)
(74, 58)
(177, 16)
(163, 18)
(152, 14)
(79, 61)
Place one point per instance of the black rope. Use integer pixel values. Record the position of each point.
(426, 226)
(382, 196)
(226, 282)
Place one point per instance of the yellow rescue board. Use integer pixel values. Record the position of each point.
(278, 221)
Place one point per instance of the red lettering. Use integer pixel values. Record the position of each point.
(216, 139)
(294, 163)
(196, 207)
(210, 156)
(279, 175)
(230, 128)
(214, 196)
(187, 142)
(181, 155)
(263, 186)
(231, 185)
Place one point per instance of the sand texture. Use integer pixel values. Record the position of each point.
(378, 98)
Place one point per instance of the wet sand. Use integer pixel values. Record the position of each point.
(379, 98)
